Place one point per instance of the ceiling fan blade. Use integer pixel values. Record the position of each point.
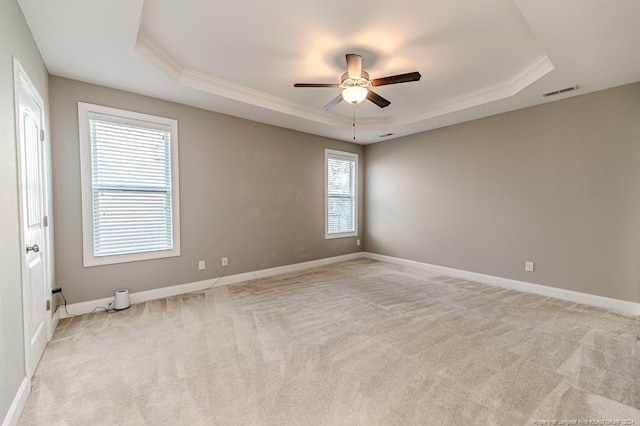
(354, 65)
(377, 99)
(394, 79)
(315, 85)
(333, 103)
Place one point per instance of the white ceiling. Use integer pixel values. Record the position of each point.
(242, 58)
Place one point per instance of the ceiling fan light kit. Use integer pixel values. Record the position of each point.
(355, 94)
(355, 87)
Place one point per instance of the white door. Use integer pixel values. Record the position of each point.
(33, 209)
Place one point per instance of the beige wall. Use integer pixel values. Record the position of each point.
(248, 191)
(558, 184)
(15, 42)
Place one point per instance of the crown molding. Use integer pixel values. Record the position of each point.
(151, 51)
(525, 77)
(217, 86)
(154, 53)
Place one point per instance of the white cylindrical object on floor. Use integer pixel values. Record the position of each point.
(122, 300)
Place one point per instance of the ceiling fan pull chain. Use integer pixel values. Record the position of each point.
(354, 122)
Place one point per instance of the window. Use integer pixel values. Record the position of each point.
(341, 183)
(129, 176)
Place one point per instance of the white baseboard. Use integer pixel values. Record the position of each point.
(527, 287)
(53, 323)
(159, 293)
(20, 400)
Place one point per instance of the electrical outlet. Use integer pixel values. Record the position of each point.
(529, 266)
(357, 242)
(225, 261)
(201, 265)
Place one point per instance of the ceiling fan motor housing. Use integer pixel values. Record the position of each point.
(363, 81)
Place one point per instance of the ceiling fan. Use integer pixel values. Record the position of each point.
(356, 84)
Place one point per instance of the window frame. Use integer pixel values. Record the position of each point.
(87, 111)
(332, 153)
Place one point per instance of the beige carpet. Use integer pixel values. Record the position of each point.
(357, 343)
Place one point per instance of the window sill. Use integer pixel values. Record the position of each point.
(90, 261)
(341, 235)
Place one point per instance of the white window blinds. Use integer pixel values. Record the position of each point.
(341, 171)
(131, 174)
(129, 185)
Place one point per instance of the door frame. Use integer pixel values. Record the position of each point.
(21, 78)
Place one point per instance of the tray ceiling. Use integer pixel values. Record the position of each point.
(242, 58)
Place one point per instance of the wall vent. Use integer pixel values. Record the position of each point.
(557, 92)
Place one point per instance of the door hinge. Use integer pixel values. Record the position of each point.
(48, 304)
(42, 135)
(45, 221)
